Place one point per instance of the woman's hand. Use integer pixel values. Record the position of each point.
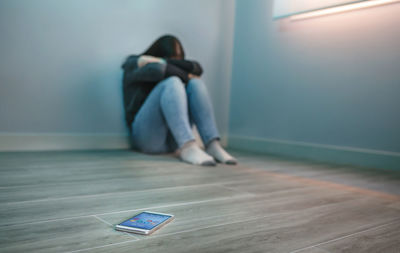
(145, 59)
(191, 76)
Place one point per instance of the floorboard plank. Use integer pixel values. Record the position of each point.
(382, 239)
(23, 212)
(59, 236)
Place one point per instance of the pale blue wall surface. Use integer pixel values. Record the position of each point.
(60, 60)
(331, 80)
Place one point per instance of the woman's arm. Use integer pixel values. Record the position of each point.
(192, 67)
(153, 70)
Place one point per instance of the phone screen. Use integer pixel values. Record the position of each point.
(145, 220)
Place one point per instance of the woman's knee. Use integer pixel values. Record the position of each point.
(174, 82)
(174, 86)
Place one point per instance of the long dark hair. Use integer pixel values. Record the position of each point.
(167, 46)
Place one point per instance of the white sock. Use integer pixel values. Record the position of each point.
(193, 154)
(217, 151)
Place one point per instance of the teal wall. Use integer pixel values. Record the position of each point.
(331, 81)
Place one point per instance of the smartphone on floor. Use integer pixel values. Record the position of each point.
(144, 223)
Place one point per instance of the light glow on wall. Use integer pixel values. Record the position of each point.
(302, 9)
(343, 8)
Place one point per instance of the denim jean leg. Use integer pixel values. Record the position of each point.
(163, 112)
(174, 105)
(201, 110)
(149, 128)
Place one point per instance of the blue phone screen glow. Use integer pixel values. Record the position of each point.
(145, 220)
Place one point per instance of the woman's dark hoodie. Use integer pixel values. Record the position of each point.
(138, 82)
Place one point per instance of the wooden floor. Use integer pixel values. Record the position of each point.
(69, 202)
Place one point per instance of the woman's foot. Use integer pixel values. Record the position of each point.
(192, 153)
(215, 149)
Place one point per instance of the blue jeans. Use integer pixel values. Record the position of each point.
(164, 122)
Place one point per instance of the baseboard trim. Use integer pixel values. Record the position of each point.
(55, 141)
(324, 153)
(43, 142)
